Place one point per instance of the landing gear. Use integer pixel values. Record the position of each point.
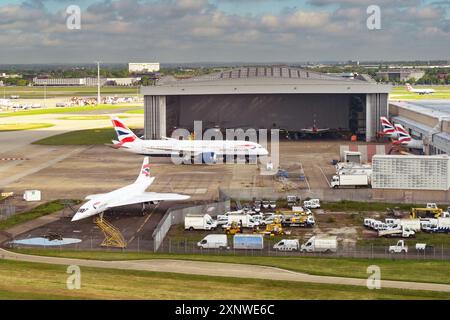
(144, 208)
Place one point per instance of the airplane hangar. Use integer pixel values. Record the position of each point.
(266, 97)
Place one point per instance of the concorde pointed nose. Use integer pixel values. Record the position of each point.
(77, 216)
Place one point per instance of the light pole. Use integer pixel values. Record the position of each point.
(98, 82)
(45, 94)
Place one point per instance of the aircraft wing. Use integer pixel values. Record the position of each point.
(149, 197)
(94, 196)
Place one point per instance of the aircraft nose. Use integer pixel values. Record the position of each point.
(77, 216)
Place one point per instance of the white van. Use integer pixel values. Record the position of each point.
(312, 204)
(214, 241)
(199, 222)
(320, 244)
(287, 245)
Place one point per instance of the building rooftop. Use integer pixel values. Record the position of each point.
(433, 108)
(264, 80)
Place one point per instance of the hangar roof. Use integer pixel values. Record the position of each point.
(264, 80)
(432, 108)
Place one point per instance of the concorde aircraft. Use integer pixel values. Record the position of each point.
(208, 149)
(128, 195)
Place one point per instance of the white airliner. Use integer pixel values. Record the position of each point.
(131, 194)
(419, 91)
(388, 129)
(405, 140)
(314, 130)
(208, 149)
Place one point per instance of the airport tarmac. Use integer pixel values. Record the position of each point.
(73, 172)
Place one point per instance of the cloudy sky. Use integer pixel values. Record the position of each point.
(35, 31)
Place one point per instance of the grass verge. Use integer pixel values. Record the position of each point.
(35, 213)
(137, 111)
(23, 280)
(101, 107)
(93, 117)
(433, 271)
(23, 126)
(357, 206)
(81, 137)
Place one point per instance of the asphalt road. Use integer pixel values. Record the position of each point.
(219, 269)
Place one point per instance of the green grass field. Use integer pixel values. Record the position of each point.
(400, 93)
(77, 109)
(39, 92)
(23, 126)
(93, 117)
(138, 111)
(357, 206)
(81, 137)
(433, 271)
(35, 213)
(23, 280)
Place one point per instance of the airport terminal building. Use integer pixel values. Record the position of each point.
(266, 97)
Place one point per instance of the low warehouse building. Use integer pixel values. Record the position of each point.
(264, 97)
(411, 172)
(426, 120)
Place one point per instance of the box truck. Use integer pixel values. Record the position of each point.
(350, 180)
(248, 241)
(247, 220)
(199, 222)
(320, 244)
(214, 241)
(412, 224)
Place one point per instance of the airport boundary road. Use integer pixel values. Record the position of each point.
(221, 270)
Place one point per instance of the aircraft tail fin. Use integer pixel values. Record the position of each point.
(124, 134)
(388, 127)
(409, 87)
(403, 135)
(144, 174)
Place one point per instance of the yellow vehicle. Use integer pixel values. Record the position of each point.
(233, 228)
(298, 221)
(426, 213)
(274, 228)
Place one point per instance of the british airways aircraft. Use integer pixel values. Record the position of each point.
(405, 140)
(210, 149)
(388, 129)
(419, 91)
(131, 194)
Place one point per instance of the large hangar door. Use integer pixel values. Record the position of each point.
(286, 111)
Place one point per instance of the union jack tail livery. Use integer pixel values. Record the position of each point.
(124, 134)
(388, 127)
(144, 174)
(403, 135)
